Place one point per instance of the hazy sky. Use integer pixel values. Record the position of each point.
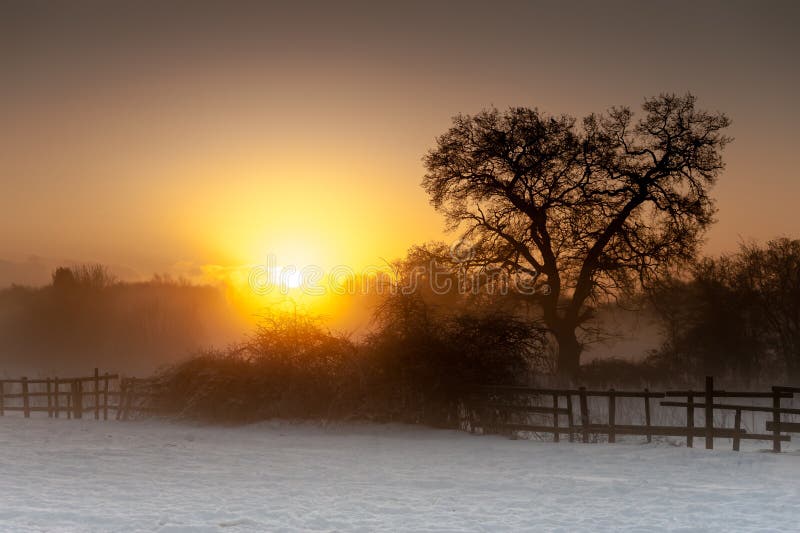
(164, 136)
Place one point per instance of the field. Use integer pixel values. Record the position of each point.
(67, 475)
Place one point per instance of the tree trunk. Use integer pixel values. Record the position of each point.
(569, 352)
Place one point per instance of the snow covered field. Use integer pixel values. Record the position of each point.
(63, 475)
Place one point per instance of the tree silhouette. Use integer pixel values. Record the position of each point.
(591, 211)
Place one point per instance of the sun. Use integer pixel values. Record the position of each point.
(288, 277)
(281, 278)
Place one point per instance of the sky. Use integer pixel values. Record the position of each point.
(196, 137)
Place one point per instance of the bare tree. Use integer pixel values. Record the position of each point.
(587, 211)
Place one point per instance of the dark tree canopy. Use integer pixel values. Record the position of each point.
(590, 209)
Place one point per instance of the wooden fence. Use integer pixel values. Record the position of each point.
(496, 409)
(75, 396)
(493, 408)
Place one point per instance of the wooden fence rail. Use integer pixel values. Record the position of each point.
(493, 408)
(105, 392)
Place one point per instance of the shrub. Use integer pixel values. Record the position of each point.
(415, 368)
(289, 368)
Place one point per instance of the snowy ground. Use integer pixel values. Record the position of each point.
(64, 475)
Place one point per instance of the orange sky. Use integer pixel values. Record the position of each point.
(166, 139)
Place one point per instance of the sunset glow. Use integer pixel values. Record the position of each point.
(399, 266)
(200, 158)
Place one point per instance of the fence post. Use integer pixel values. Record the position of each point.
(612, 415)
(77, 399)
(570, 418)
(57, 398)
(129, 391)
(96, 394)
(49, 399)
(121, 397)
(556, 436)
(71, 399)
(2, 400)
(776, 420)
(26, 407)
(584, 413)
(737, 425)
(709, 413)
(647, 414)
(105, 396)
(690, 420)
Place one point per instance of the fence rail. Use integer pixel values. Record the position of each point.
(99, 393)
(493, 408)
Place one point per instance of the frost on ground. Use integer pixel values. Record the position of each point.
(64, 475)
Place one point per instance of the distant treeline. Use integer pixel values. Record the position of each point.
(737, 315)
(87, 318)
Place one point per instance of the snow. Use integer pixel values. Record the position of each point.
(68, 475)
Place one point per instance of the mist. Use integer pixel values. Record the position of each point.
(86, 318)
